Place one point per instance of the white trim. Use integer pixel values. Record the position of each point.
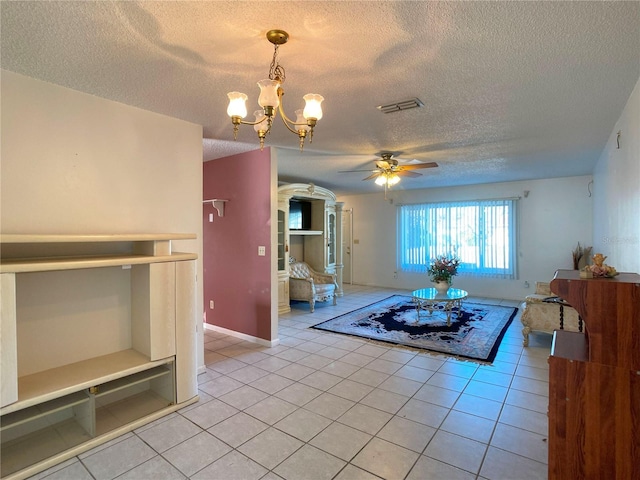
(243, 336)
(308, 190)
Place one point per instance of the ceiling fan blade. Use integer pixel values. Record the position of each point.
(404, 173)
(373, 175)
(415, 166)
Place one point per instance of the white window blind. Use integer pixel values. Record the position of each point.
(481, 233)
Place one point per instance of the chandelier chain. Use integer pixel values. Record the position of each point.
(276, 71)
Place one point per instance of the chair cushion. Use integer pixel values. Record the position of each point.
(324, 289)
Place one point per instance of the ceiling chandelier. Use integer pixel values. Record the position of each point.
(270, 100)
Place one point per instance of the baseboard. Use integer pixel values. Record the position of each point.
(243, 336)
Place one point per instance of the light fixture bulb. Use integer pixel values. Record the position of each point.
(393, 179)
(237, 106)
(381, 180)
(313, 107)
(269, 93)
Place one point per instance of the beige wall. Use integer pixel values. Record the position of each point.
(617, 192)
(74, 163)
(554, 216)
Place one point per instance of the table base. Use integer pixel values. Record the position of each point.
(430, 306)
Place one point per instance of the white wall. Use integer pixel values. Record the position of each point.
(616, 179)
(73, 163)
(553, 218)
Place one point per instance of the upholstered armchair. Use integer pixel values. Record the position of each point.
(310, 286)
(541, 312)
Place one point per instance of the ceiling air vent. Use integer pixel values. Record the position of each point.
(404, 105)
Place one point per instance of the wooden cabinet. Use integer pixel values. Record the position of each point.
(594, 380)
(98, 337)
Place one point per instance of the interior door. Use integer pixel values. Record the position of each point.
(347, 245)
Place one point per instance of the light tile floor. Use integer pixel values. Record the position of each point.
(326, 406)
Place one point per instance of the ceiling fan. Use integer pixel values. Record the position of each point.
(388, 171)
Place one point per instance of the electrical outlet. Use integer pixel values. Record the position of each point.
(211, 304)
(262, 251)
(526, 284)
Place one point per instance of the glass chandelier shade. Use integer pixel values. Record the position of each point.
(269, 93)
(237, 104)
(301, 121)
(261, 121)
(313, 107)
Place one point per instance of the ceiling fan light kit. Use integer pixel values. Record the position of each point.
(270, 100)
(388, 179)
(388, 171)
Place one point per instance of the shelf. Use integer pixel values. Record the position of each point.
(570, 345)
(41, 253)
(56, 382)
(131, 380)
(118, 414)
(24, 265)
(43, 409)
(305, 232)
(40, 445)
(218, 204)
(126, 237)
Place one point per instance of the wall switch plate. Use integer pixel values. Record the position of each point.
(211, 304)
(262, 251)
(211, 217)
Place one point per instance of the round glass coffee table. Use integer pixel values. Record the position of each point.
(431, 300)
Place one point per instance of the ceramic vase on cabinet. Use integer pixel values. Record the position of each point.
(442, 286)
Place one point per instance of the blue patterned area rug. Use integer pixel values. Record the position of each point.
(476, 329)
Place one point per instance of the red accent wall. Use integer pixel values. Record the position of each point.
(235, 277)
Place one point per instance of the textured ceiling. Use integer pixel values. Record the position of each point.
(512, 90)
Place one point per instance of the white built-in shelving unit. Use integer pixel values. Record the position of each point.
(320, 246)
(98, 337)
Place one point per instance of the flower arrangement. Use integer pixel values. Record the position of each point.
(443, 268)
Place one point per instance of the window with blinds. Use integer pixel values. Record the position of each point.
(481, 233)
